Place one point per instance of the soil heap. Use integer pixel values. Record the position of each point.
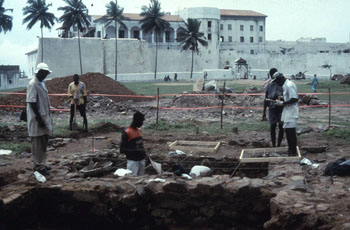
(95, 83)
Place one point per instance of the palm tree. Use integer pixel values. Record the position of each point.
(75, 14)
(5, 20)
(190, 36)
(114, 14)
(37, 10)
(328, 66)
(152, 20)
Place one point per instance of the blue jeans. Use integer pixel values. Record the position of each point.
(137, 167)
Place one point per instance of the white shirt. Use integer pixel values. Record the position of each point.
(291, 111)
(37, 92)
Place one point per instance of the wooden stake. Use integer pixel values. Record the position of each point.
(157, 108)
(329, 108)
(222, 104)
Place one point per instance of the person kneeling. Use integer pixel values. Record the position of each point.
(132, 145)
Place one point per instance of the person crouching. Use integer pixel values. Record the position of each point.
(132, 145)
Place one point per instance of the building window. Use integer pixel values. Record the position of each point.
(251, 28)
(209, 36)
(222, 38)
(241, 28)
(261, 28)
(137, 34)
(221, 26)
(251, 39)
(121, 34)
(251, 51)
(241, 39)
(229, 27)
(209, 24)
(260, 39)
(230, 38)
(167, 36)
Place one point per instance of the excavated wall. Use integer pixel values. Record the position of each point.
(203, 203)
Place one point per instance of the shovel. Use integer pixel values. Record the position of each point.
(74, 124)
(157, 166)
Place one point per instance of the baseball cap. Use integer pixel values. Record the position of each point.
(42, 66)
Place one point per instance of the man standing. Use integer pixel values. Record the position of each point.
(290, 112)
(273, 93)
(314, 83)
(78, 94)
(132, 145)
(39, 119)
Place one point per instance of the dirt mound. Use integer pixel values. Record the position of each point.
(345, 80)
(95, 83)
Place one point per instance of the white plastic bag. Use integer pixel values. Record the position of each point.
(197, 170)
(122, 172)
(41, 178)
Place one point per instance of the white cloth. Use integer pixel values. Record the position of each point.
(37, 92)
(290, 124)
(291, 111)
(138, 168)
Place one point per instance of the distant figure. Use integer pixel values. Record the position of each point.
(132, 145)
(39, 118)
(175, 77)
(314, 83)
(78, 94)
(205, 75)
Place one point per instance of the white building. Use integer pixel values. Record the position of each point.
(231, 35)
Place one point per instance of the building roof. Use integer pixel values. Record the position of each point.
(32, 51)
(241, 13)
(137, 17)
(5, 68)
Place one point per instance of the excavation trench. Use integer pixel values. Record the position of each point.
(107, 203)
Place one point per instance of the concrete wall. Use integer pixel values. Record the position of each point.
(137, 56)
(290, 63)
(134, 56)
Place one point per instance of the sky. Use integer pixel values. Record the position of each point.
(287, 20)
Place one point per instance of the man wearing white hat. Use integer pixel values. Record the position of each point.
(39, 119)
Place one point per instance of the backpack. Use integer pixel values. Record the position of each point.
(340, 167)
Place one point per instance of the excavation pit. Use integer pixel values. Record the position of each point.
(126, 204)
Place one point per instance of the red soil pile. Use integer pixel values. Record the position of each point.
(95, 83)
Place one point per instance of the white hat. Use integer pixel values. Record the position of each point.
(42, 66)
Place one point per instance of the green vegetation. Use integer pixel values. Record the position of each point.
(339, 133)
(150, 88)
(16, 147)
(11, 90)
(210, 128)
(304, 86)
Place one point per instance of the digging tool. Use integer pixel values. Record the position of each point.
(74, 124)
(157, 166)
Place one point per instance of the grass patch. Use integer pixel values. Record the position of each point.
(210, 128)
(339, 133)
(11, 90)
(16, 147)
(150, 88)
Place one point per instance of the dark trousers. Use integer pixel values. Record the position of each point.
(82, 111)
(273, 133)
(292, 140)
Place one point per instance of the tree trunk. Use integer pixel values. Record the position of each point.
(81, 66)
(155, 68)
(116, 51)
(192, 64)
(42, 45)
